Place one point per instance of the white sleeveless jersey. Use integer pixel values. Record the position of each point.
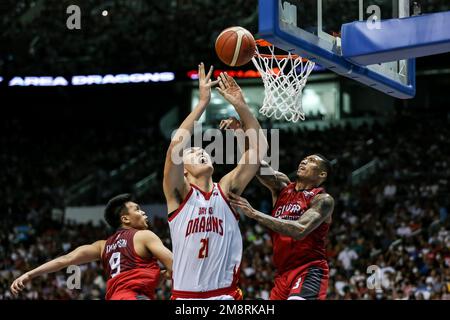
(206, 242)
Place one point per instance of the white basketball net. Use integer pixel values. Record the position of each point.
(283, 91)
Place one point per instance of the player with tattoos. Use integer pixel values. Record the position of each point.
(299, 224)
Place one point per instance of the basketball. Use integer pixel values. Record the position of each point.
(235, 46)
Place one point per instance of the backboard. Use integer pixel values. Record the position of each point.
(312, 29)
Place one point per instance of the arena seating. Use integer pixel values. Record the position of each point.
(396, 219)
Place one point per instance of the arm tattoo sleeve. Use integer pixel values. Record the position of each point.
(320, 210)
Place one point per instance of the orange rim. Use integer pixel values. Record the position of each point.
(265, 43)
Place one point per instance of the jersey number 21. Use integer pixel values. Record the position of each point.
(203, 253)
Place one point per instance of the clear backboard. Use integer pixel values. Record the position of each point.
(312, 29)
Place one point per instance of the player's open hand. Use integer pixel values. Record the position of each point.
(230, 123)
(205, 83)
(19, 284)
(241, 205)
(230, 90)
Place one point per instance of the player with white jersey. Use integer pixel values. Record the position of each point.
(206, 240)
(203, 223)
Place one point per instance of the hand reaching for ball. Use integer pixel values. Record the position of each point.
(230, 90)
(230, 123)
(205, 83)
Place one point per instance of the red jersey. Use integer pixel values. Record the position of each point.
(126, 271)
(289, 253)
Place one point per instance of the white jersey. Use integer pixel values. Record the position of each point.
(206, 243)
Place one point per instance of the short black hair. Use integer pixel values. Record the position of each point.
(114, 208)
(325, 164)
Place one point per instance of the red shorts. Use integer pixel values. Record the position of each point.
(307, 282)
(128, 295)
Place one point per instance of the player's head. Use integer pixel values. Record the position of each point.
(314, 169)
(121, 211)
(197, 162)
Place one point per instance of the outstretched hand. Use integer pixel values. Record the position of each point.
(230, 90)
(241, 205)
(19, 284)
(205, 83)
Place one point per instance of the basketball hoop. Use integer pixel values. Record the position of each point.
(284, 78)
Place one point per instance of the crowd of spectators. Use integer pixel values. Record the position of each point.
(391, 226)
(135, 36)
(395, 219)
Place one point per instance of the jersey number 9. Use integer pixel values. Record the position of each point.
(114, 263)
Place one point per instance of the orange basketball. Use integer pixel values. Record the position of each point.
(235, 46)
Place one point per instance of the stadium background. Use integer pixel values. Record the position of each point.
(69, 147)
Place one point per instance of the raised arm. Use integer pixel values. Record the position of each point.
(320, 211)
(80, 255)
(174, 183)
(275, 181)
(248, 165)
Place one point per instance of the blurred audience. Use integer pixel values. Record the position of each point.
(389, 239)
(128, 39)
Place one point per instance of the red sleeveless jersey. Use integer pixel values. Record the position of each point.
(289, 253)
(125, 269)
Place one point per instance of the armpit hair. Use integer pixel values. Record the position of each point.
(178, 196)
(234, 190)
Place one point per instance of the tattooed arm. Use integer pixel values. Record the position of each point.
(275, 181)
(320, 211)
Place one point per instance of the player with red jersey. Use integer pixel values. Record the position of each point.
(129, 256)
(299, 222)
